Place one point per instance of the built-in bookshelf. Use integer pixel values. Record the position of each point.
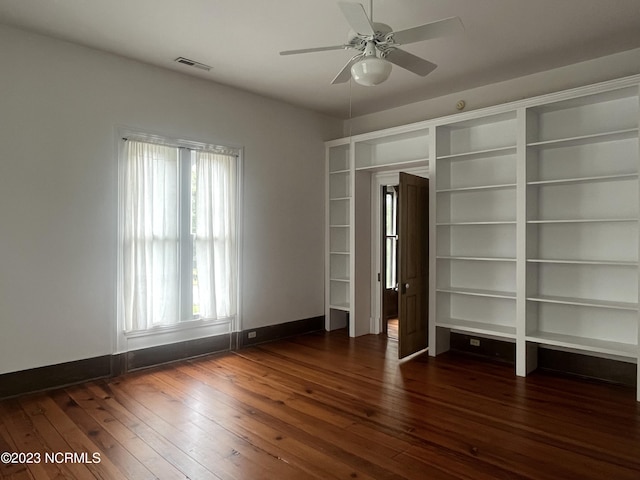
(582, 223)
(534, 220)
(339, 286)
(475, 186)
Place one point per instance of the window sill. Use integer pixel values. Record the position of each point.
(178, 327)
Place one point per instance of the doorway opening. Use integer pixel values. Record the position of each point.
(389, 242)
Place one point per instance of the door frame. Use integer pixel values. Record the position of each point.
(378, 180)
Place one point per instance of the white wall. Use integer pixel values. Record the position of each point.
(563, 78)
(60, 105)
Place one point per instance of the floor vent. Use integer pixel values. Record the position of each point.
(193, 63)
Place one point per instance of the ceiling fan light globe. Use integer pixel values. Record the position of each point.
(370, 71)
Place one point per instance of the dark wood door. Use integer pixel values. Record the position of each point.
(414, 264)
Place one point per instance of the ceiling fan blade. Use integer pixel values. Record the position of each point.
(441, 28)
(357, 18)
(317, 49)
(410, 62)
(345, 74)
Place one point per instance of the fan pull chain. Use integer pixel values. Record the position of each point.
(350, 121)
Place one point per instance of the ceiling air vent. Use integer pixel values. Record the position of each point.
(193, 63)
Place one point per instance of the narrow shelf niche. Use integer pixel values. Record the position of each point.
(339, 185)
(339, 158)
(339, 295)
(339, 265)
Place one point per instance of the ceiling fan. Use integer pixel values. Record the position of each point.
(377, 45)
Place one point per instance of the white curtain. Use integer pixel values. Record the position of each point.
(215, 234)
(150, 267)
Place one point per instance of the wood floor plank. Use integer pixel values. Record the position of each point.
(326, 406)
(280, 440)
(26, 441)
(167, 442)
(54, 441)
(78, 442)
(341, 443)
(465, 453)
(505, 419)
(10, 470)
(195, 432)
(103, 431)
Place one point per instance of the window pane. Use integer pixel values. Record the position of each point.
(194, 222)
(391, 263)
(194, 295)
(215, 239)
(389, 212)
(150, 258)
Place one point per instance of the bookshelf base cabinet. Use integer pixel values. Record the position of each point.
(534, 221)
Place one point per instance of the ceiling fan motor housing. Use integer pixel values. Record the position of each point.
(359, 41)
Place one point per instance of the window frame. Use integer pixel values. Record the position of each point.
(196, 327)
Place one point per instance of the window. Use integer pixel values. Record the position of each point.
(391, 236)
(178, 233)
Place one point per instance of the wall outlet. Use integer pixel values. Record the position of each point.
(253, 335)
(474, 342)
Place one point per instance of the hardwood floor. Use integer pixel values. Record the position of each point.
(325, 406)
(392, 328)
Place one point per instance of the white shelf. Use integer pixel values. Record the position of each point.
(339, 199)
(478, 259)
(347, 280)
(338, 172)
(339, 226)
(586, 139)
(481, 187)
(602, 178)
(498, 222)
(583, 343)
(477, 292)
(339, 253)
(585, 262)
(343, 306)
(584, 302)
(585, 220)
(395, 165)
(504, 331)
(479, 153)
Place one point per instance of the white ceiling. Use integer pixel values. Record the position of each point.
(241, 39)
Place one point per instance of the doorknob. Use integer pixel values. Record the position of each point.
(404, 287)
